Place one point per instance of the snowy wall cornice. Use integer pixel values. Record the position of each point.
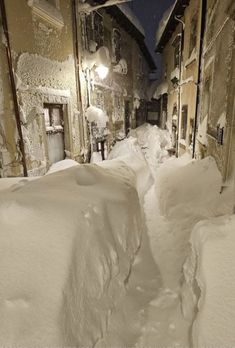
(47, 12)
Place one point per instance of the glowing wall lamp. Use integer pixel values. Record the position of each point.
(102, 71)
(100, 60)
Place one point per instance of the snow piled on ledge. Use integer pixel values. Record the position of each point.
(67, 244)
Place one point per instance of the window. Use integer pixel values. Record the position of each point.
(193, 34)
(177, 46)
(116, 45)
(117, 108)
(48, 10)
(206, 97)
(98, 30)
(140, 71)
(184, 121)
(94, 31)
(53, 116)
(220, 135)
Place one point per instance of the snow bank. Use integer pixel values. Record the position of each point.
(67, 244)
(6, 183)
(62, 165)
(128, 152)
(210, 275)
(189, 189)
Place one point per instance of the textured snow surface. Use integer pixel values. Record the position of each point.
(104, 255)
(184, 193)
(212, 264)
(61, 165)
(67, 244)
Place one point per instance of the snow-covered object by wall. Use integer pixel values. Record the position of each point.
(67, 243)
(212, 274)
(96, 115)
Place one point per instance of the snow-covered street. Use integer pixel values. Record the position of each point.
(109, 253)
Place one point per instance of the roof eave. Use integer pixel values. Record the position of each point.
(172, 23)
(115, 12)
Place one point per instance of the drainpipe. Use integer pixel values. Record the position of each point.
(199, 79)
(179, 84)
(13, 85)
(77, 65)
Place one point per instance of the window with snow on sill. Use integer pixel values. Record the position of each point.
(48, 10)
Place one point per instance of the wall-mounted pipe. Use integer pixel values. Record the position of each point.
(75, 20)
(179, 83)
(199, 79)
(13, 85)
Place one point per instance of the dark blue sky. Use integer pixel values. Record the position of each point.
(150, 13)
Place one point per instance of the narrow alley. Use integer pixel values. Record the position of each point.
(117, 173)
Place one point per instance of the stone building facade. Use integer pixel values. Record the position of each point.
(216, 119)
(122, 95)
(196, 39)
(178, 39)
(48, 42)
(42, 49)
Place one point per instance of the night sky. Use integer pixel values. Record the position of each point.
(150, 13)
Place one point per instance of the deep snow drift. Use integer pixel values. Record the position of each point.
(67, 244)
(210, 283)
(79, 268)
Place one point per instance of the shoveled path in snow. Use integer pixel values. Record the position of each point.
(165, 325)
(184, 192)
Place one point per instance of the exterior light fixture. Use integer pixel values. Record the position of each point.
(102, 71)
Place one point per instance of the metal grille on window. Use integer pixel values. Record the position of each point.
(116, 45)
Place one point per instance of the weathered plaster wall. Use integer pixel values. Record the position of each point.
(218, 74)
(45, 73)
(111, 93)
(10, 156)
(189, 74)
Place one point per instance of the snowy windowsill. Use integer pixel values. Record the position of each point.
(46, 11)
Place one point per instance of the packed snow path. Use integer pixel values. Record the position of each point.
(88, 264)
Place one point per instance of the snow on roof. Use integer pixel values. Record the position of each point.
(126, 10)
(162, 25)
(161, 89)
